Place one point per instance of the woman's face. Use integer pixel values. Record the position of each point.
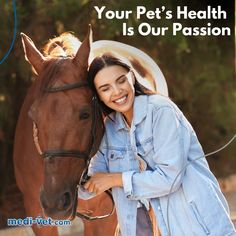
(115, 87)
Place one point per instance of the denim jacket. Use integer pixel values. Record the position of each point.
(183, 193)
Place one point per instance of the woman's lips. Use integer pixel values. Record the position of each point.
(121, 100)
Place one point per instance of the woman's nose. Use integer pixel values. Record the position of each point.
(116, 90)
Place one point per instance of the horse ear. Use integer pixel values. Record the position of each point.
(32, 54)
(82, 55)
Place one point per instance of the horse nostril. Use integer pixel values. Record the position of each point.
(65, 201)
(43, 201)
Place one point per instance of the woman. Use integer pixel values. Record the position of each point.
(147, 158)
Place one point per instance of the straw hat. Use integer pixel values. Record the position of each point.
(147, 71)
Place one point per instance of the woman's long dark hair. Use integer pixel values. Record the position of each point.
(107, 60)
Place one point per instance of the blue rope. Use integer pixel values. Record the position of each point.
(14, 32)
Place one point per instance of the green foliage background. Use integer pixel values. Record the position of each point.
(200, 71)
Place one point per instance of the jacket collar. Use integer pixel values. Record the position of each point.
(140, 112)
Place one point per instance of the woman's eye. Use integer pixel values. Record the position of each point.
(104, 89)
(122, 80)
(84, 116)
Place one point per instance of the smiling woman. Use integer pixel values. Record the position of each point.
(115, 89)
(146, 145)
(115, 84)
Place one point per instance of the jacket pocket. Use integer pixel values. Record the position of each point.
(199, 218)
(117, 161)
(116, 155)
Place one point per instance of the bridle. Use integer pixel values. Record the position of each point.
(68, 153)
(86, 155)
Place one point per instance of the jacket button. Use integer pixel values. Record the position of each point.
(159, 208)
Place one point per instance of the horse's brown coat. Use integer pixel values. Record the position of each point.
(58, 118)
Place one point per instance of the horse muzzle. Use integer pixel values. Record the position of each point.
(58, 205)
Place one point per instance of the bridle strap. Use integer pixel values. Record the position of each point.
(64, 153)
(36, 139)
(86, 155)
(66, 87)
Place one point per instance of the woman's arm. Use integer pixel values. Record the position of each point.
(100, 182)
(98, 164)
(169, 139)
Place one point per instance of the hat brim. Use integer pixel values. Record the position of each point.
(150, 73)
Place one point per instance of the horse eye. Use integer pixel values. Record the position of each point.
(84, 116)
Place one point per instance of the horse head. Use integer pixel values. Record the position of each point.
(67, 128)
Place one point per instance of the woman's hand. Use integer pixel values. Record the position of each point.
(100, 182)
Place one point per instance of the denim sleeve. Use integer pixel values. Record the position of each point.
(98, 162)
(169, 136)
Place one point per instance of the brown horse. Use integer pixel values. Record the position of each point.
(59, 112)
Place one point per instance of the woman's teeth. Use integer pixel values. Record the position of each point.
(120, 100)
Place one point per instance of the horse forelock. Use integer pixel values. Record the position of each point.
(65, 45)
(57, 51)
